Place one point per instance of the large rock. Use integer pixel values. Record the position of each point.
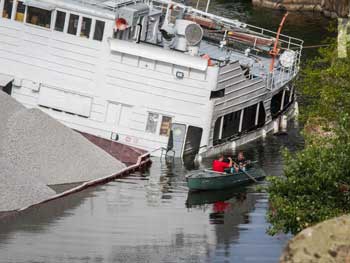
(338, 7)
(326, 242)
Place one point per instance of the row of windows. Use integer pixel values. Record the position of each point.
(42, 17)
(231, 125)
(73, 22)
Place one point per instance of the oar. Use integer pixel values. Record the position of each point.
(247, 174)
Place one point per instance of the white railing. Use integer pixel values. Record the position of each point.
(280, 75)
(111, 5)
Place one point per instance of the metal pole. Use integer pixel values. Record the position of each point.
(206, 9)
(197, 4)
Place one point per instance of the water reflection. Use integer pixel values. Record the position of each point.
(209, 197)
(152, 217)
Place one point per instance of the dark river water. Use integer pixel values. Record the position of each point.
(152, 217)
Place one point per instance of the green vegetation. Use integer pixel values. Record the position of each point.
(316, 181)
(324, 87)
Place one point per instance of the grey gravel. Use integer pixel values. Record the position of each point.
(19, 189)
(8, 107)
(36, 146)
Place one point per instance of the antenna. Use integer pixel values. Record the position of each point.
(274, 52)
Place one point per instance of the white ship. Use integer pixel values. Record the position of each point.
(152, 74)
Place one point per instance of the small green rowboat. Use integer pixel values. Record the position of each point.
(203, 180)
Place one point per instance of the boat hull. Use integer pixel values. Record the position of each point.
(205, 180)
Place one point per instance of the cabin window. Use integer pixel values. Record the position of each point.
(287, 98)
(249, 117)
(165, 126)
(153, 125)
(20, 11)
(73, 24)
(261, 115)
(217, 94)
(7, 9)
(231, 124)
(152, 122)
(99, 29)
(276, 103)
(217, 127)
(39, 17)
(85, 27)
(60, 19)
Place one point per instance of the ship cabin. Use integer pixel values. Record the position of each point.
(153, 74)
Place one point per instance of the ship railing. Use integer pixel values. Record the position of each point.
(280, 75)
(285, 42)
(111, 5)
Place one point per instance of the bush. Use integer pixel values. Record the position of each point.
(315, 186)
(316, 181)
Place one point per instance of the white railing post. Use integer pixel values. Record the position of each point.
(208, 3)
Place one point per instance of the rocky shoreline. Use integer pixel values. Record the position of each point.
(325, 242)
(330, 8)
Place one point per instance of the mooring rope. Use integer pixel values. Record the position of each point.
(316, 46)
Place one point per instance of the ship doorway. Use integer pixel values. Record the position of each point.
(178, 135)
(193, 140)
(6, 83)
(118, 116)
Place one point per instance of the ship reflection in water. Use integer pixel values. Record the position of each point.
(152, 218)
(224, 204)
(238, 218)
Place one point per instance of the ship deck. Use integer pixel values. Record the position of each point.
(259, 65)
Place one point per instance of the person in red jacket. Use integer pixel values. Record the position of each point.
(219, 165)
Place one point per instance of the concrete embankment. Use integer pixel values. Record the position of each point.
(292, 5)
(36, 151)
(326, 242)
(330, 8)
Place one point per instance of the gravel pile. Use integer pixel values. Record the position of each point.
(40, 151)
(8, 107)
(19, 189)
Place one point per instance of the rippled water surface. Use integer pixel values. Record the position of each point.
(152, 217)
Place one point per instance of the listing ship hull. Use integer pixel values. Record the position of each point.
(130, 84)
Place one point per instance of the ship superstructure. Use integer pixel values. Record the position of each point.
(151, 74)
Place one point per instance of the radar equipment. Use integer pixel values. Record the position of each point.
(189, 35)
